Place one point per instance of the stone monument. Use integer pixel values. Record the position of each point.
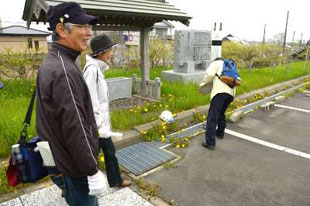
(192, 55)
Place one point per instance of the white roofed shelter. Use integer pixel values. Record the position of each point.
(120, 15)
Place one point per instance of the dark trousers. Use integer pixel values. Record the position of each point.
(75, 190)
(216, 117)
(110, 160)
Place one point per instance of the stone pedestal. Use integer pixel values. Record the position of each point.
(119, 88)
(173, 76)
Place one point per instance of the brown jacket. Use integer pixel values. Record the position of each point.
(65, 115)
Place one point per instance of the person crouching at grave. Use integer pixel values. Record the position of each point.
(96, 64)
(221, 96)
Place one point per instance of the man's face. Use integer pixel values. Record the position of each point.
(77, 37)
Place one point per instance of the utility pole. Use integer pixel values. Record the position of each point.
(300, 42)
(284, 42)
(264, 34)
(293, 39)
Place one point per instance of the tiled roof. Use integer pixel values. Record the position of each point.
(21, 31)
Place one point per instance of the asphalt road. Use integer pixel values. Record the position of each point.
(264, 159)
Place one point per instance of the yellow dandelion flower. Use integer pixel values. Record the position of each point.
(101, 159)
(164, 127)
(162, 136)
(131, 110)
(183, 145)
(163, 123)
(174, 115)
(144, 132)
(178, 146)
(204, 116)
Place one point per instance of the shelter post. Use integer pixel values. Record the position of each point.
(144, 53)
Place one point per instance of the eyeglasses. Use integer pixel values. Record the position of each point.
(83, 26)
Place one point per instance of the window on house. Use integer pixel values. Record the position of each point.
(161, 33)
(30, 43)
(36, 45)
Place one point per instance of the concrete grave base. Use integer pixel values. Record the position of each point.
(173, 76)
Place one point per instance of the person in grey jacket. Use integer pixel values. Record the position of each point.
(64, 113)
(96, 65)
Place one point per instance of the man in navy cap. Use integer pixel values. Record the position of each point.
(65, 117)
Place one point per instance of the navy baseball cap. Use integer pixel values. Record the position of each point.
(68, 12)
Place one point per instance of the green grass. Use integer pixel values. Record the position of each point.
(258, 78)
(176, 97)
(14, 99)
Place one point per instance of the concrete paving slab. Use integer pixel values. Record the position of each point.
(123, 197)
(299, 100)
(13, 202)
(46, 196)
(236, 173)
(50, 196)
(280, 126)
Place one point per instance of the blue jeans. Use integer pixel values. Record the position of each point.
(216, 117)
(75, 190)
(111, 162)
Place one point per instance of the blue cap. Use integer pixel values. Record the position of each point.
(68, 12)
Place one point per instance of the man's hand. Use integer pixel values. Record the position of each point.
(97, 184)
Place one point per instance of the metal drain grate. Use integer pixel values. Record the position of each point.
(142, 157)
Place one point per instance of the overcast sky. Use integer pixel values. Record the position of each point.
(242, 18)
(246, 18)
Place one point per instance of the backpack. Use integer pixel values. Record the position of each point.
(229, 74)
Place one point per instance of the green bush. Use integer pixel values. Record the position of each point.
(160, 52)
(250, 56)
(19, 64)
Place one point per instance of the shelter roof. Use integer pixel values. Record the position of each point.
(113, 13)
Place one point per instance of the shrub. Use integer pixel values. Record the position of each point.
(18, 64)
(249, 56)
(160, 52)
